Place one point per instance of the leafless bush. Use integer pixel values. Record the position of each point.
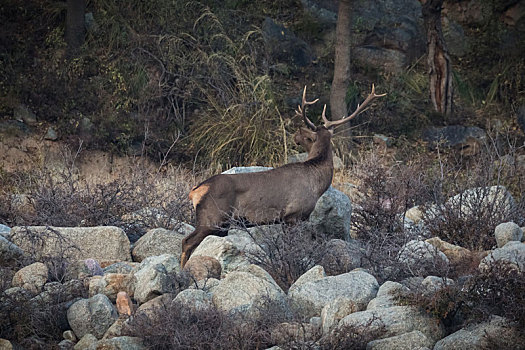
(470, 194)
(475, 298)
(286, 251)
(36, 323)
(177, 327)
(353, 337)
(386, 193)
(56, 259)
(59, 196)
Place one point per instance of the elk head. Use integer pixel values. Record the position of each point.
(306, 137)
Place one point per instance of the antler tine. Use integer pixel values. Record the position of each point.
(301, 110)
(360, 108)
(324, 115)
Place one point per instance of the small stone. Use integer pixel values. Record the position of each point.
(203, 267)
(51, 134)
(24, 114)
(69, 335)
(66, 345)
(85, 342)
(31, 278)
(93, 267)
(124, 304)
(382, 140)
(506, 232)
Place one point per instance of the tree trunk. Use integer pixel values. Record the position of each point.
(338, 106)
(440, 72)
(75, 25)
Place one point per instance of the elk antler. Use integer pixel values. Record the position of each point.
(301, 110)
(360, 108)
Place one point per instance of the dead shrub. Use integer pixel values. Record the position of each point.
(36, 323)
(500, 290)
(286, 251)
(177, 327)
(58, 196)
(57, 260)
(386, 192)
(469, 195)
(353, 337)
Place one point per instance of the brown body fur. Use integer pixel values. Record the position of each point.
(288, 193)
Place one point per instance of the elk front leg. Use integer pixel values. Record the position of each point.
(191, 241)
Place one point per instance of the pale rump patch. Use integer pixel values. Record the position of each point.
(196, 194)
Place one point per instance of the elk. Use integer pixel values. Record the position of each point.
(287, 193)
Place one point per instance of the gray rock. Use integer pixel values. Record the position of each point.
(454, 136)
(309, 298)
(9, 252)
(410, 340)
(393, 30)
(513, 253)
(341, 256)
(334, 311)
(314, 274)
(5, 231)
(121, 343)
(458, 43)
(54, 291)
(477, 336)
(224, 250)
(121, 267)
(94, 315)
(479, 200)
(24, 114)
(5, 344)
(150, 310)
(420, 257)
(248, 169)
(151, 218)
(93, 267)
(433, 284)
(32, 277)
(116, 329)
(103, 243)
(283, 46)
(203, 267)
(383, 140)
(111, 284)
(194, 299)
(332, 214)
(66, 344)
(386, 295)
(327, 14)
(250, 295)
(396, 320)
(383, 58)
(156, 275)
(86, 342)
(69, 335)
(506, 232)
(51, 134)
(159, 241)
(301, 157)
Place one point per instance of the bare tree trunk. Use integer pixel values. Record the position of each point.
(75, 25)
(440, 72)
(338, 106)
